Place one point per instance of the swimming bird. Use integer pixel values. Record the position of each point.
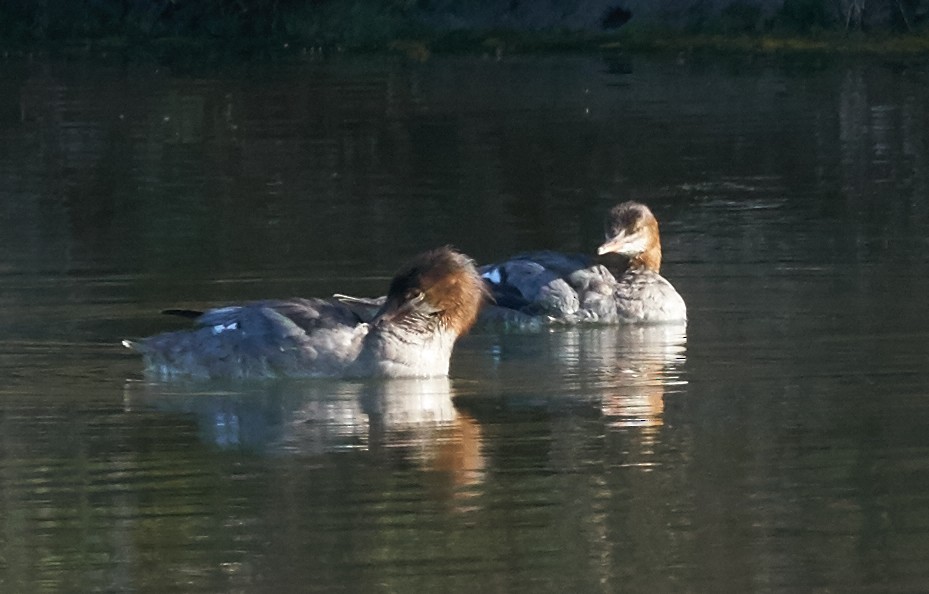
(431, 301)
(621, 284)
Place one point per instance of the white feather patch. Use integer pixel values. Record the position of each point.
(493, 275)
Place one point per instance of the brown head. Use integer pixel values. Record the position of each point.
(632, 231)
(438, 287)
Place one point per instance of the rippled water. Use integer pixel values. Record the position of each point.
(781, 445)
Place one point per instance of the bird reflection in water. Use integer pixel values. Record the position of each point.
(626, 372)
(649, 362)
(411, 418)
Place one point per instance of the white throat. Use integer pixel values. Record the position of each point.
(403, 352)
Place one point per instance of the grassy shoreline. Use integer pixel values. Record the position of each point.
(493, 43)
(419, 28)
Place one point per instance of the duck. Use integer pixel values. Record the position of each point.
(620, 284)
(431, 301)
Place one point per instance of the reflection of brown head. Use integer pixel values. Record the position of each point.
(460, 454)
(635, 406)
(441, 285)
(632, 231)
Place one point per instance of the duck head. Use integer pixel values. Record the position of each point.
(439, 288)
(632, 232)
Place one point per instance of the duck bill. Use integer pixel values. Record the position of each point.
(393, 309)
(613, 245)
(622, 244)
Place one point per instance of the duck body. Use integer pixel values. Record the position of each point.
(621, 284)
(431, 302)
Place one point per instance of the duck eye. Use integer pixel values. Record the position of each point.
(415, 296)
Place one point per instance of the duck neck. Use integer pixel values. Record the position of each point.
(650, 259)
(617, 264)
(407, 350)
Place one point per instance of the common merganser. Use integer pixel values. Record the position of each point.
(620, 285)
(432, 301)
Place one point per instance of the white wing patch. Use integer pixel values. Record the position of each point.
(493, 275)
(218, 328)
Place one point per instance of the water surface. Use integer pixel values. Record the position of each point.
(779, 444)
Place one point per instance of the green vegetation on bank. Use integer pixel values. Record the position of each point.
(833, 42)
(418, 27)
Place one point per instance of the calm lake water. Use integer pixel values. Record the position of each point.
(781, 446)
